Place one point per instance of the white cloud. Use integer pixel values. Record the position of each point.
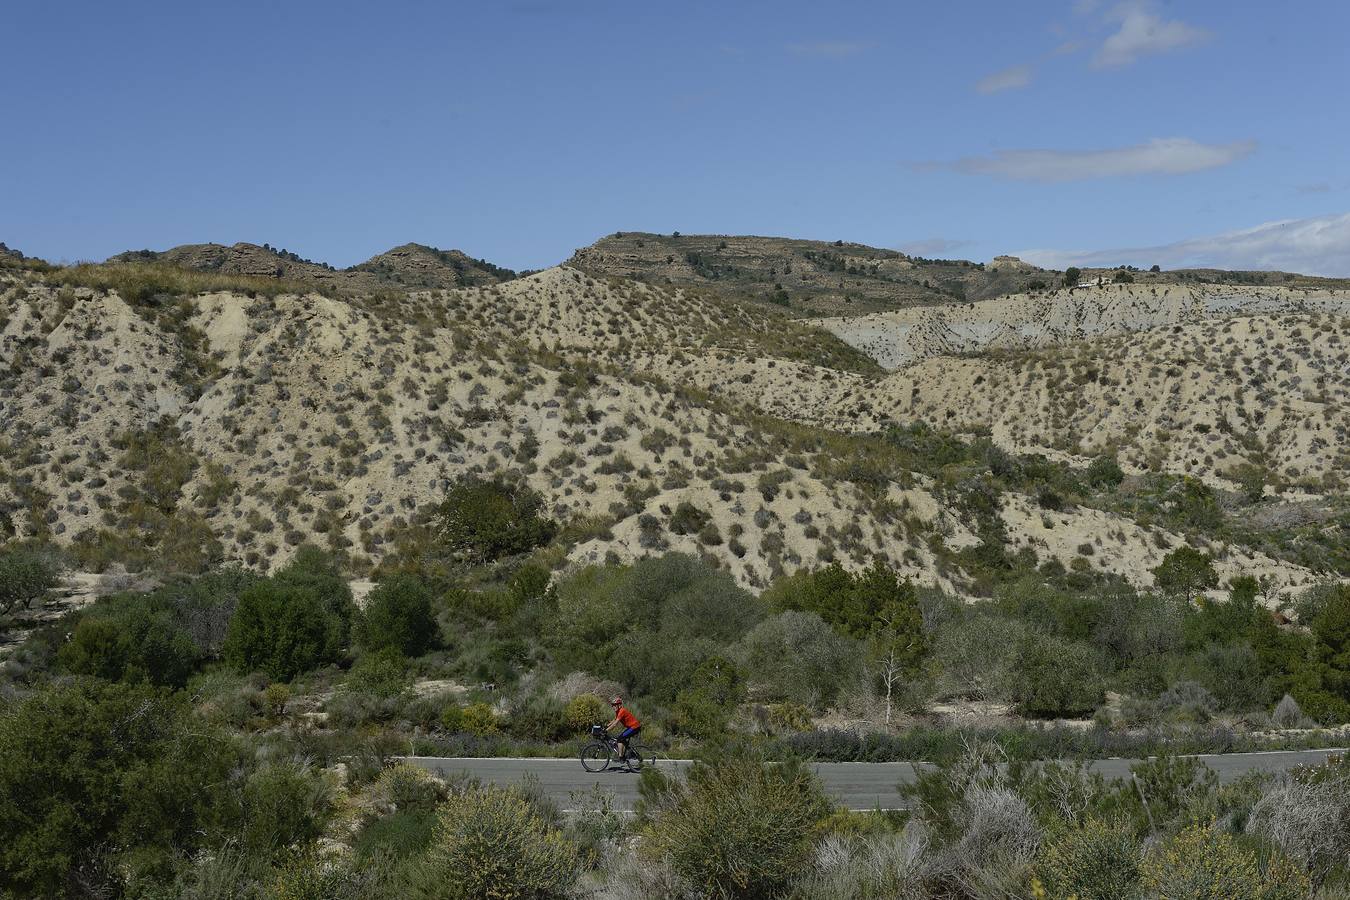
(1009, 79)
(830, 49)
(1315, 246)
(1143, 32)
(933, 247)
(1160, 156)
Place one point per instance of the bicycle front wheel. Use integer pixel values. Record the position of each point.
(595, 757)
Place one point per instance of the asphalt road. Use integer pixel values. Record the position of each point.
(855, 785)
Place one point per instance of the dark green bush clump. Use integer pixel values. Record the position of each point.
(26, 577)
(96, 777)
(397, 615)
(293, 622)
(483, 521)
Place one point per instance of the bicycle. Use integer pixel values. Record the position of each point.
(601, 752)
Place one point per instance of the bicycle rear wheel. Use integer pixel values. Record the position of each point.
(634, 760)
(595, 757)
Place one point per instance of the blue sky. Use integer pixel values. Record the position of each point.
(522, 129)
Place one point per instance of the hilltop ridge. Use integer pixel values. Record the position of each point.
(845, 278)
(406, 267)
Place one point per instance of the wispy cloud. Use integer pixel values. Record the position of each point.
(1009, 79)
(933, 247)
(1160, 156)
(1314, 246)
(1142, 32)
(830, 49)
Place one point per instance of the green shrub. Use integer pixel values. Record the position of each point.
(789, 717)
(408, 787)
(1327, 695)
(851, 604)
(713, 692)
(1105, 472)
(688, 519)
(381, 674)
(739, 827)
(1053, 677)
(282, 630)
(292, 623)
(585, 710)
(92, 774)
(1170, 785)
(476, 718)
(397, 615)
(1097, 860)
(796, 657)
(491, 842)
(648, 625)
(130, 639)
(1203, 862)
(275, 697)
(486, 520)
(26, 577)
(285, 805)
(1185, 572)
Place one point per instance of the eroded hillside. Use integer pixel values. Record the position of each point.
(1050, 319)
(218, 425)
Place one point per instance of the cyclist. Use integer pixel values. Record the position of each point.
(630, 723)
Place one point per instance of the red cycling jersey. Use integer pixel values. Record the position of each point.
(627, 719)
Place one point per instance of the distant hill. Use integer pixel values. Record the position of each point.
(9, 253)
(842, 278)
(813, 277)
(410, 266)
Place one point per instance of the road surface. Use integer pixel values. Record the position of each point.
(855, 785)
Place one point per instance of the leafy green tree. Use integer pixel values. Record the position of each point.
(1186, 572)
(26, 576)
(293, 622)
(897, 645)
(1071, 276)
(96, 778)
(483, 521)
(851, 604)
(1326, 696)
(397, 615)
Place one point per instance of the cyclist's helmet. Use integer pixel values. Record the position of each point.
(616, 700)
